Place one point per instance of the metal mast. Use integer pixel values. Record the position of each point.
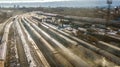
(109, 2)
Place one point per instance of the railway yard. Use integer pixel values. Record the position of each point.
(38, 39)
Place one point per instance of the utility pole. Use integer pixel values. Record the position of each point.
(109, 2)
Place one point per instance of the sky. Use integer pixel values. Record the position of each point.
(58, 3)
(12, 1)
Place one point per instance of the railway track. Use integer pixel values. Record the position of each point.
(26, 48)
(90, 46)
(38, 54)
(4, 42)
(48, 53)
(64, 50)
(12, 55)
(40, 44)
(21, 53)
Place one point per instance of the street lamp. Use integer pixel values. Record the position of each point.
(109, 2)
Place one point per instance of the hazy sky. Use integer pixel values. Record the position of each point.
(41, 0)
(9, 1)
(52, 3)
(12, 1)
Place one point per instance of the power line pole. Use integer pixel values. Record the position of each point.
(109, 2)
